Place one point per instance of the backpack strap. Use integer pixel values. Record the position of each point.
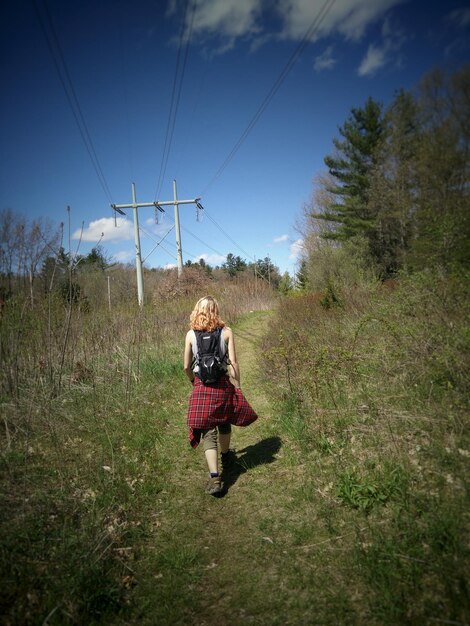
(223, 347)
(197, 334)
(194, 345)
(224, 350)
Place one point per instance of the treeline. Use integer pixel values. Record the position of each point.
(396, 192)
(235, 265)
(24, 247)
(35, 265)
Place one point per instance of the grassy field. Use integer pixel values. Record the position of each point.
(372, 393)
(348, 503)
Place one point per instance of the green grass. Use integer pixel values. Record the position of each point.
(80, 474)
(363, 490)
(348, 504)
(372, 400)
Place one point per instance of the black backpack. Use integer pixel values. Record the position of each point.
(209, 359)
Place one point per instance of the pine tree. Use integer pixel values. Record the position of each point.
(351, 167)
(95, 259)
(301, 276)
(266, 269)
(285, 284)
(233, 264)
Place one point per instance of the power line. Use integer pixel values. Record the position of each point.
(168, 252)
(143, 230)
(67, 85)
(194, 256)
(314, 26)
(158, 243)
(201, 241)
(176, 94)
(226, 234)
(124, 54)
(236, 244)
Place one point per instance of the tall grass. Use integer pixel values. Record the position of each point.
(88, 397)
(373, 393)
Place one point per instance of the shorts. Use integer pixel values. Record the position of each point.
(209, 436)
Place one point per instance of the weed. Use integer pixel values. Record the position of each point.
(292, 420)
(364, 491)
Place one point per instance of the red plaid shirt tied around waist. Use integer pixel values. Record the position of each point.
(219, 403)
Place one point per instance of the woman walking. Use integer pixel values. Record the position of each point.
(216, 402)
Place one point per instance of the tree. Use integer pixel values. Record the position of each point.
(442, 216)
(40, 238)
(96, 259)
(350, 167)
(234, 264)
(393, 186)
(205, 267)
(54, 270)
(266, 269)
(301, 277)
(23, 247)
(286, 284)
(11, 246)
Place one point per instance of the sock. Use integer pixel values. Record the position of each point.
(214, 474)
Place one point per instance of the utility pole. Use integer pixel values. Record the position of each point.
(179, 252)
(138, 253)
(158, 205)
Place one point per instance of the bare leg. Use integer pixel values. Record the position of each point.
(211, 458)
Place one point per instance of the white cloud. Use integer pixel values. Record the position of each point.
(374, 60)
(152, 228)
(228, 18)
(325, 61)
(378, 55)
(123, 256)
(349, 18)
(211, 259)
(169, 266)
(233, 19)
(280, 239)
(296, 248)
(107, 229)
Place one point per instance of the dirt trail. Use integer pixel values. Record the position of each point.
(222, 561)
(231, 524)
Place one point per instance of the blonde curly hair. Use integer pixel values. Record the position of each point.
(205, 315)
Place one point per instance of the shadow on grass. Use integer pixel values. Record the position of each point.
(259, 453)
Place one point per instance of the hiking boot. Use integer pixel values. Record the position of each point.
(228, 459)
(214, 486)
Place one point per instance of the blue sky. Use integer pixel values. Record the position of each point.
(121, 59)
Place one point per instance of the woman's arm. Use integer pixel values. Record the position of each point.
(188, 356)
(234, 369)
